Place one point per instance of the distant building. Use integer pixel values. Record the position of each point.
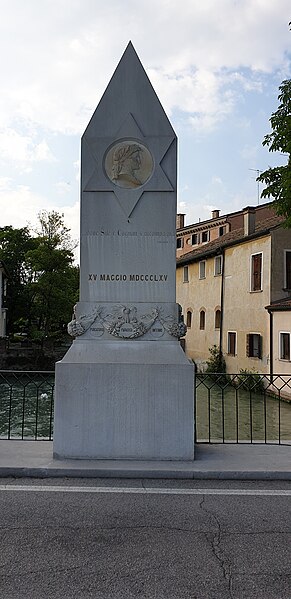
(280, 339)
(192, 236)
(3, 291)
(225, 284)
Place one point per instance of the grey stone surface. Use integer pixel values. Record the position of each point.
(78, 545)
(128, 233)
(129, 410)
(212, 462)
(125, 389)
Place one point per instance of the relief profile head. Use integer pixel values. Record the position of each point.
(128, 164)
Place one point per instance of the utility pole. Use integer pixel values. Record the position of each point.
(256, 170)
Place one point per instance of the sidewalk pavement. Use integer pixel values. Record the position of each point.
(217, 461)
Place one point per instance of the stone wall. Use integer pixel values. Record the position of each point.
(28, 356)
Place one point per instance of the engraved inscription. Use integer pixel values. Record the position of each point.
(157, 330)
(158, 278)
(97, 330)
(123, 321)
(119, 233)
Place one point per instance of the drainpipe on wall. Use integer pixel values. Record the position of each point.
(221, 305)
(271, 346)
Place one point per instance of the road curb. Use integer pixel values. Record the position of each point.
(129, 473)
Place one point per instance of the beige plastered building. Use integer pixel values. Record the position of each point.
(228, 288)
(280, 345)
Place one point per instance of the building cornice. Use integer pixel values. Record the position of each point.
(210, 224)
(217, 248)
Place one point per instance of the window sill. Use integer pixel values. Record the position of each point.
(256, 290)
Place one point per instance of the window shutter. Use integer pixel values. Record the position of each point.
(189, 319)
(260, 347)
(257, 269)
(248, 346)
(202, 320)
(217, 319)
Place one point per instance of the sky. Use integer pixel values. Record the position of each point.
(215, 65)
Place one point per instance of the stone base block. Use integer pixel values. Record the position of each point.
(124, 402)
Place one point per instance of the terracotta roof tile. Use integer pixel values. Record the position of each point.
(231, 238)
(282, 304)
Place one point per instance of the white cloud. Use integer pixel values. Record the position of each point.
(77, 167)
(216, 181)
(249, 153)
(62, 187)
(201, 93)
(5, 183)
(21, 148)
(204, 61)
(59, 67)
(42, 152)
(20, 206)
(252, 83)
(181, 206)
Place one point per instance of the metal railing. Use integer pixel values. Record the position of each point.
(26, 405)
(243, 408)
(237, 408)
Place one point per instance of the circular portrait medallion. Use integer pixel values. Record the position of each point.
(128, 164)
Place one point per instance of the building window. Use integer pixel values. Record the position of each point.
(287, 269)
(195, 239)
(222, 231)
(231, 343)
(179, 243)
(217, 319)
(205, 236)
(284, 346)
(185, 274)
(256, 272)
(254, 346)
(202, 320)
(202, 269)
(189, 319)
(217, 265)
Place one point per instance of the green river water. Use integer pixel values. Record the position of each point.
(241, 415)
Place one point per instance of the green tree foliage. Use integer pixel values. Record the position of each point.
(43, 280)
(278, 179)
(216, 362)
(14, 244)
(54, 279)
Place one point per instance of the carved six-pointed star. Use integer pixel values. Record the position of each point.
(97, 179)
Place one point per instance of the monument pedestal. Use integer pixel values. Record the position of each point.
(125, 389)
(134, 401)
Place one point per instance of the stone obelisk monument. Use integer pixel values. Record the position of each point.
(125, 387)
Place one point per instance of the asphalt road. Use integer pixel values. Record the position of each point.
(67, 539)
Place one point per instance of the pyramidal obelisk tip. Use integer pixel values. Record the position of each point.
(130, 48)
